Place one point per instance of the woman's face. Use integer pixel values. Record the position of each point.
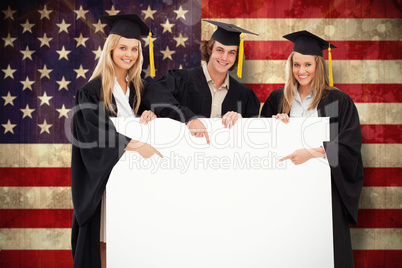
(125, 54)
(304, 67)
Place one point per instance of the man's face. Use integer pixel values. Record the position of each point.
(222, 58)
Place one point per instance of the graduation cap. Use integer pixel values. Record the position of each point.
(131, 26)
(307, 43)
(230, 35)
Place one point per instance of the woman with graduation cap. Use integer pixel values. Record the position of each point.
(207, 91)
(115, 89)
(309, 92)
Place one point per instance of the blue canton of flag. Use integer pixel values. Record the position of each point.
(50, 49)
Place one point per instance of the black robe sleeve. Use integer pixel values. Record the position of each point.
(97, 147)
(184, 95)
(163, 98)
(241, 99)
(343, 151)
(252, 107)
(271, 105)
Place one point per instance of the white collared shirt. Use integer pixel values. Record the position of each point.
(299, 107)
(122, 100)
(218, 95)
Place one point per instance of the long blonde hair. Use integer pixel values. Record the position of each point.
(105, 69)
(319, 83)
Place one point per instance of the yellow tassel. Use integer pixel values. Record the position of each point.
(240, 61)
(151, 55)
(331, 79)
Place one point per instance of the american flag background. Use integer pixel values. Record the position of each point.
(49, 49)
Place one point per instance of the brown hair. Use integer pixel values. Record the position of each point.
(206, 51)
(319, 83)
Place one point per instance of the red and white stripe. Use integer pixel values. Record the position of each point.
(35, 205)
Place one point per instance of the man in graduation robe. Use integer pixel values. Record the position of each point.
(207, 91)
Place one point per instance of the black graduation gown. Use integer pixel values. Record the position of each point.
(184, 95)
(344, 157)
(96, 149)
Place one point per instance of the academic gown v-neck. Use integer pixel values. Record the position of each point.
(184, 95)
(344, 157)
(97, 147)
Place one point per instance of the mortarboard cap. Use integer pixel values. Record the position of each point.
(307, 43)
(227, 34)
(128, 26)
(131, 26)
(230, 35)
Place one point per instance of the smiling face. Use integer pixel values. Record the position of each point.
(304, 67)
(125, 54)
(222, 58)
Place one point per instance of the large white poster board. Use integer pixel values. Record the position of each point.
(227, 204)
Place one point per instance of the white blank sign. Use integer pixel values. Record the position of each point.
(228, 204)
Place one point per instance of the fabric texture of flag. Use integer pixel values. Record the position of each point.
(49, 49)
